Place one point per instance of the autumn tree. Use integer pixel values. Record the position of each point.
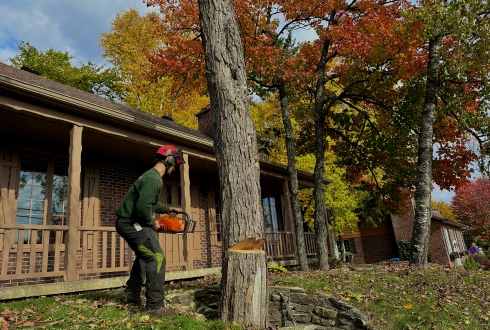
(244, 274)
(269, 59)
(455, 79)
(444, 209)
(127, 47)
(56, 65)
(471, 206)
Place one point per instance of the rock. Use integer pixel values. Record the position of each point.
(208, 313)
(276, 297)
(300, 298)
(340, 304)
(302, 308)
(301, 317)
(325, 312)
(318, 320)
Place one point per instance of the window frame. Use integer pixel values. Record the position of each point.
(51, 160)
(351, 243)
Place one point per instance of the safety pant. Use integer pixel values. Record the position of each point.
(144, 242)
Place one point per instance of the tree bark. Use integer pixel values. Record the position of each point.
(320, 140)
(293, 179)
(421, 226)
(244, 280)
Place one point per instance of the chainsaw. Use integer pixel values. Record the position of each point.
(171, 224)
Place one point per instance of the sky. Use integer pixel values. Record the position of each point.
(75, 26)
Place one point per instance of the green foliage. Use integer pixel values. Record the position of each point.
(341, 198)
(471, 264)
(404, 249)
(275, 268)
(56, 65)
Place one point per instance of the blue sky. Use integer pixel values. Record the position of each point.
(75, 26)
(67, 25)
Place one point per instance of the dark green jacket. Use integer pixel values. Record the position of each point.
(141, 201)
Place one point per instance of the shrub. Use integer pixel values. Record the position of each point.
(275, 268)
(471, 264)
(404, 249)
(482, 260)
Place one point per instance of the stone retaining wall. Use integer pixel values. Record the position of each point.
(289, 308)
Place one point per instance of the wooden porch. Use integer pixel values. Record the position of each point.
(98, 251)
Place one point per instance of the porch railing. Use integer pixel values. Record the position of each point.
(279, 245)
(32, 251)
(310, 244)
(39, 251)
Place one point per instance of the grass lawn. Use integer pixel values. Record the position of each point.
(393, 297)
(398, 297)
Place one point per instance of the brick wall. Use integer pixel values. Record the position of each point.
(379, 248)
(210, 254)
(205, 121)
(359, 257)
(114, 182)
(403, 224)
(437, 246)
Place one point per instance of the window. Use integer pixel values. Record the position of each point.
(31, 196)
(272, 214)
(42, 195)
(349, 245)
(447, 240)
(218, 206)
(59, 195)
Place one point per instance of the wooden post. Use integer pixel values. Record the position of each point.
(185, 187)
(289, 215)
(73, 209)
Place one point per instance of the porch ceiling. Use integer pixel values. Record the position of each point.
(32, 132)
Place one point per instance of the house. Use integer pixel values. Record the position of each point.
(377, 243)
(67, 158)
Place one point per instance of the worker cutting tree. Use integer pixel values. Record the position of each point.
(136, 224)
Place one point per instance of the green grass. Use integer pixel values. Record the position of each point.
(404, 298)
(393, 297)
(93, 310)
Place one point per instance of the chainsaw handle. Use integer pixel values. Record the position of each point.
(190, 225)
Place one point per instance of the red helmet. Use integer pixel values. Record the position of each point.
(170, 155)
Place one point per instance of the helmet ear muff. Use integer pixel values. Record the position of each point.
(170, 161)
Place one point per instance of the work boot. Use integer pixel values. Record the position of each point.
(162, 312)
(132, 299)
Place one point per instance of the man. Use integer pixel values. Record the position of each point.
(473, 249)
(136, 224)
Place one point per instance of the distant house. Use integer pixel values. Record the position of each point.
(67, 158)
(377, 243)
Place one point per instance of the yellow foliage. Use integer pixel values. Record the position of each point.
(126, 47)
(444, 209)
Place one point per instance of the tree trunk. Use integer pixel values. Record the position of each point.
(320, 137)
(244, 280)
(421, 226)
(293, 180)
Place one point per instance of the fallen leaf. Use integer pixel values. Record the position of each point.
(408, 306)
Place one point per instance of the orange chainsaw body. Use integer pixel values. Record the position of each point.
(171, 224)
